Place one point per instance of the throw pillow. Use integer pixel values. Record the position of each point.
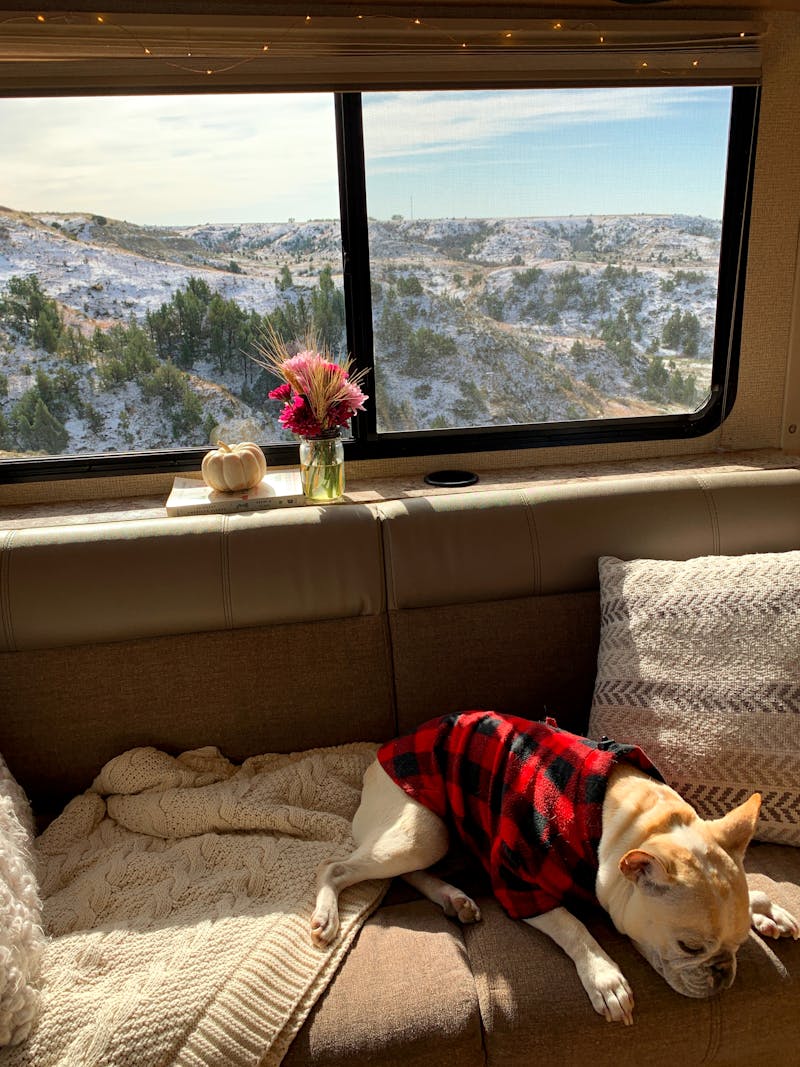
(699, 664)
(21, 937)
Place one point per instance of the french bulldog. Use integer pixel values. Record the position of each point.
(557, 819)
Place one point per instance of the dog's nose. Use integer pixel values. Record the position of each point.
(721, 974)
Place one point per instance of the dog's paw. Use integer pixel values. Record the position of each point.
(459, 906)
(609, 992)
(770, 919)
(324, 926)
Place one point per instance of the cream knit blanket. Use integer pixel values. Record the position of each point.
(177, 896)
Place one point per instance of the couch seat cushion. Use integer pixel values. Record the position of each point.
(404, 996)
(534, 1008)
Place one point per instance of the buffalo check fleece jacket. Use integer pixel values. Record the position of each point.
(526, 799)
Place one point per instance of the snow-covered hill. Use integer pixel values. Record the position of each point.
(476, 321)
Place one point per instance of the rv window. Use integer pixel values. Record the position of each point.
(516, 267)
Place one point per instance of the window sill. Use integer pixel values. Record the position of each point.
(365, 490)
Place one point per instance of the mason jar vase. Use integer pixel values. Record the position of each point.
(322, 467)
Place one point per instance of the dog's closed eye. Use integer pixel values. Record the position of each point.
(691, 950)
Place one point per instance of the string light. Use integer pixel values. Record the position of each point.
(484, 42)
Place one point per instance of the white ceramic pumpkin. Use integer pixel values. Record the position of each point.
(232, 468)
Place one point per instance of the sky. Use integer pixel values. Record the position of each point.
(181, 160)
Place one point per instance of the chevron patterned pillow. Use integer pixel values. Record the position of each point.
(699, 664)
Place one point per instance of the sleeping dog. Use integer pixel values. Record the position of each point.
(557, 821)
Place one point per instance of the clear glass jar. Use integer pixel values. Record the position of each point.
(322, 467)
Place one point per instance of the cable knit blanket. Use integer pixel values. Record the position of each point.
(177, 896)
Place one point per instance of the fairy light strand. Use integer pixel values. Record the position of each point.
(485, 41)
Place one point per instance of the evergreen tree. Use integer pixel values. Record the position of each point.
(682, 333)
(48, 329)
(28, 309)
(327, 313)
(284, 280)
(228, 331)
(673, 333)
(691, 334)
(38, 430)
(164, 328)
(656, 380)
(191, 310)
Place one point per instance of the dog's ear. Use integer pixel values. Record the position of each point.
(646, 871)
(734, 830)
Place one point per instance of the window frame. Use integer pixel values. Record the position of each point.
(727, 333)
(368, 444)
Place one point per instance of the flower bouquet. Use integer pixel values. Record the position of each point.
(319, 397)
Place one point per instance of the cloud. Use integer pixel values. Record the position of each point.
(396, 124)
(250, 157)
(172, 159)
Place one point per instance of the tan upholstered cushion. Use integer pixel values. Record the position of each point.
(404, 997)
(467, 548)
(532, 656)
(76, 585)
(245, 691)
(699, 663)
(536, 1012)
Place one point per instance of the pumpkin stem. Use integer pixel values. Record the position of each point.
(224, 447)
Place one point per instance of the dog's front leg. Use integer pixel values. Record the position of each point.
(602, 979)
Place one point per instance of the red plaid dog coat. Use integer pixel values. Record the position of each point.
(525, 797)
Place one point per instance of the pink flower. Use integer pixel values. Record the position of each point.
(298, 417)
(282, 392)
(317, 394)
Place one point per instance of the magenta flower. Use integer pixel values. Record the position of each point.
(282, 392)
(318, 395)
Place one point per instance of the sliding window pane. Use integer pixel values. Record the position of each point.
(145, 242)
(543, 256)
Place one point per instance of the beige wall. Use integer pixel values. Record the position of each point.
(758, 414)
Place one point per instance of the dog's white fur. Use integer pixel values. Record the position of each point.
(672, 882)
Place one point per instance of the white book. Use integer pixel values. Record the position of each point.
(277, 489)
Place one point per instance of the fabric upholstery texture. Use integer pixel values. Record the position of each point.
(21, 937)
(532, 656)
(698, 664)
(232, 689)
(405, 996)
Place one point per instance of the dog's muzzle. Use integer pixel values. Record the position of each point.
(706, 980)
(698, 980)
